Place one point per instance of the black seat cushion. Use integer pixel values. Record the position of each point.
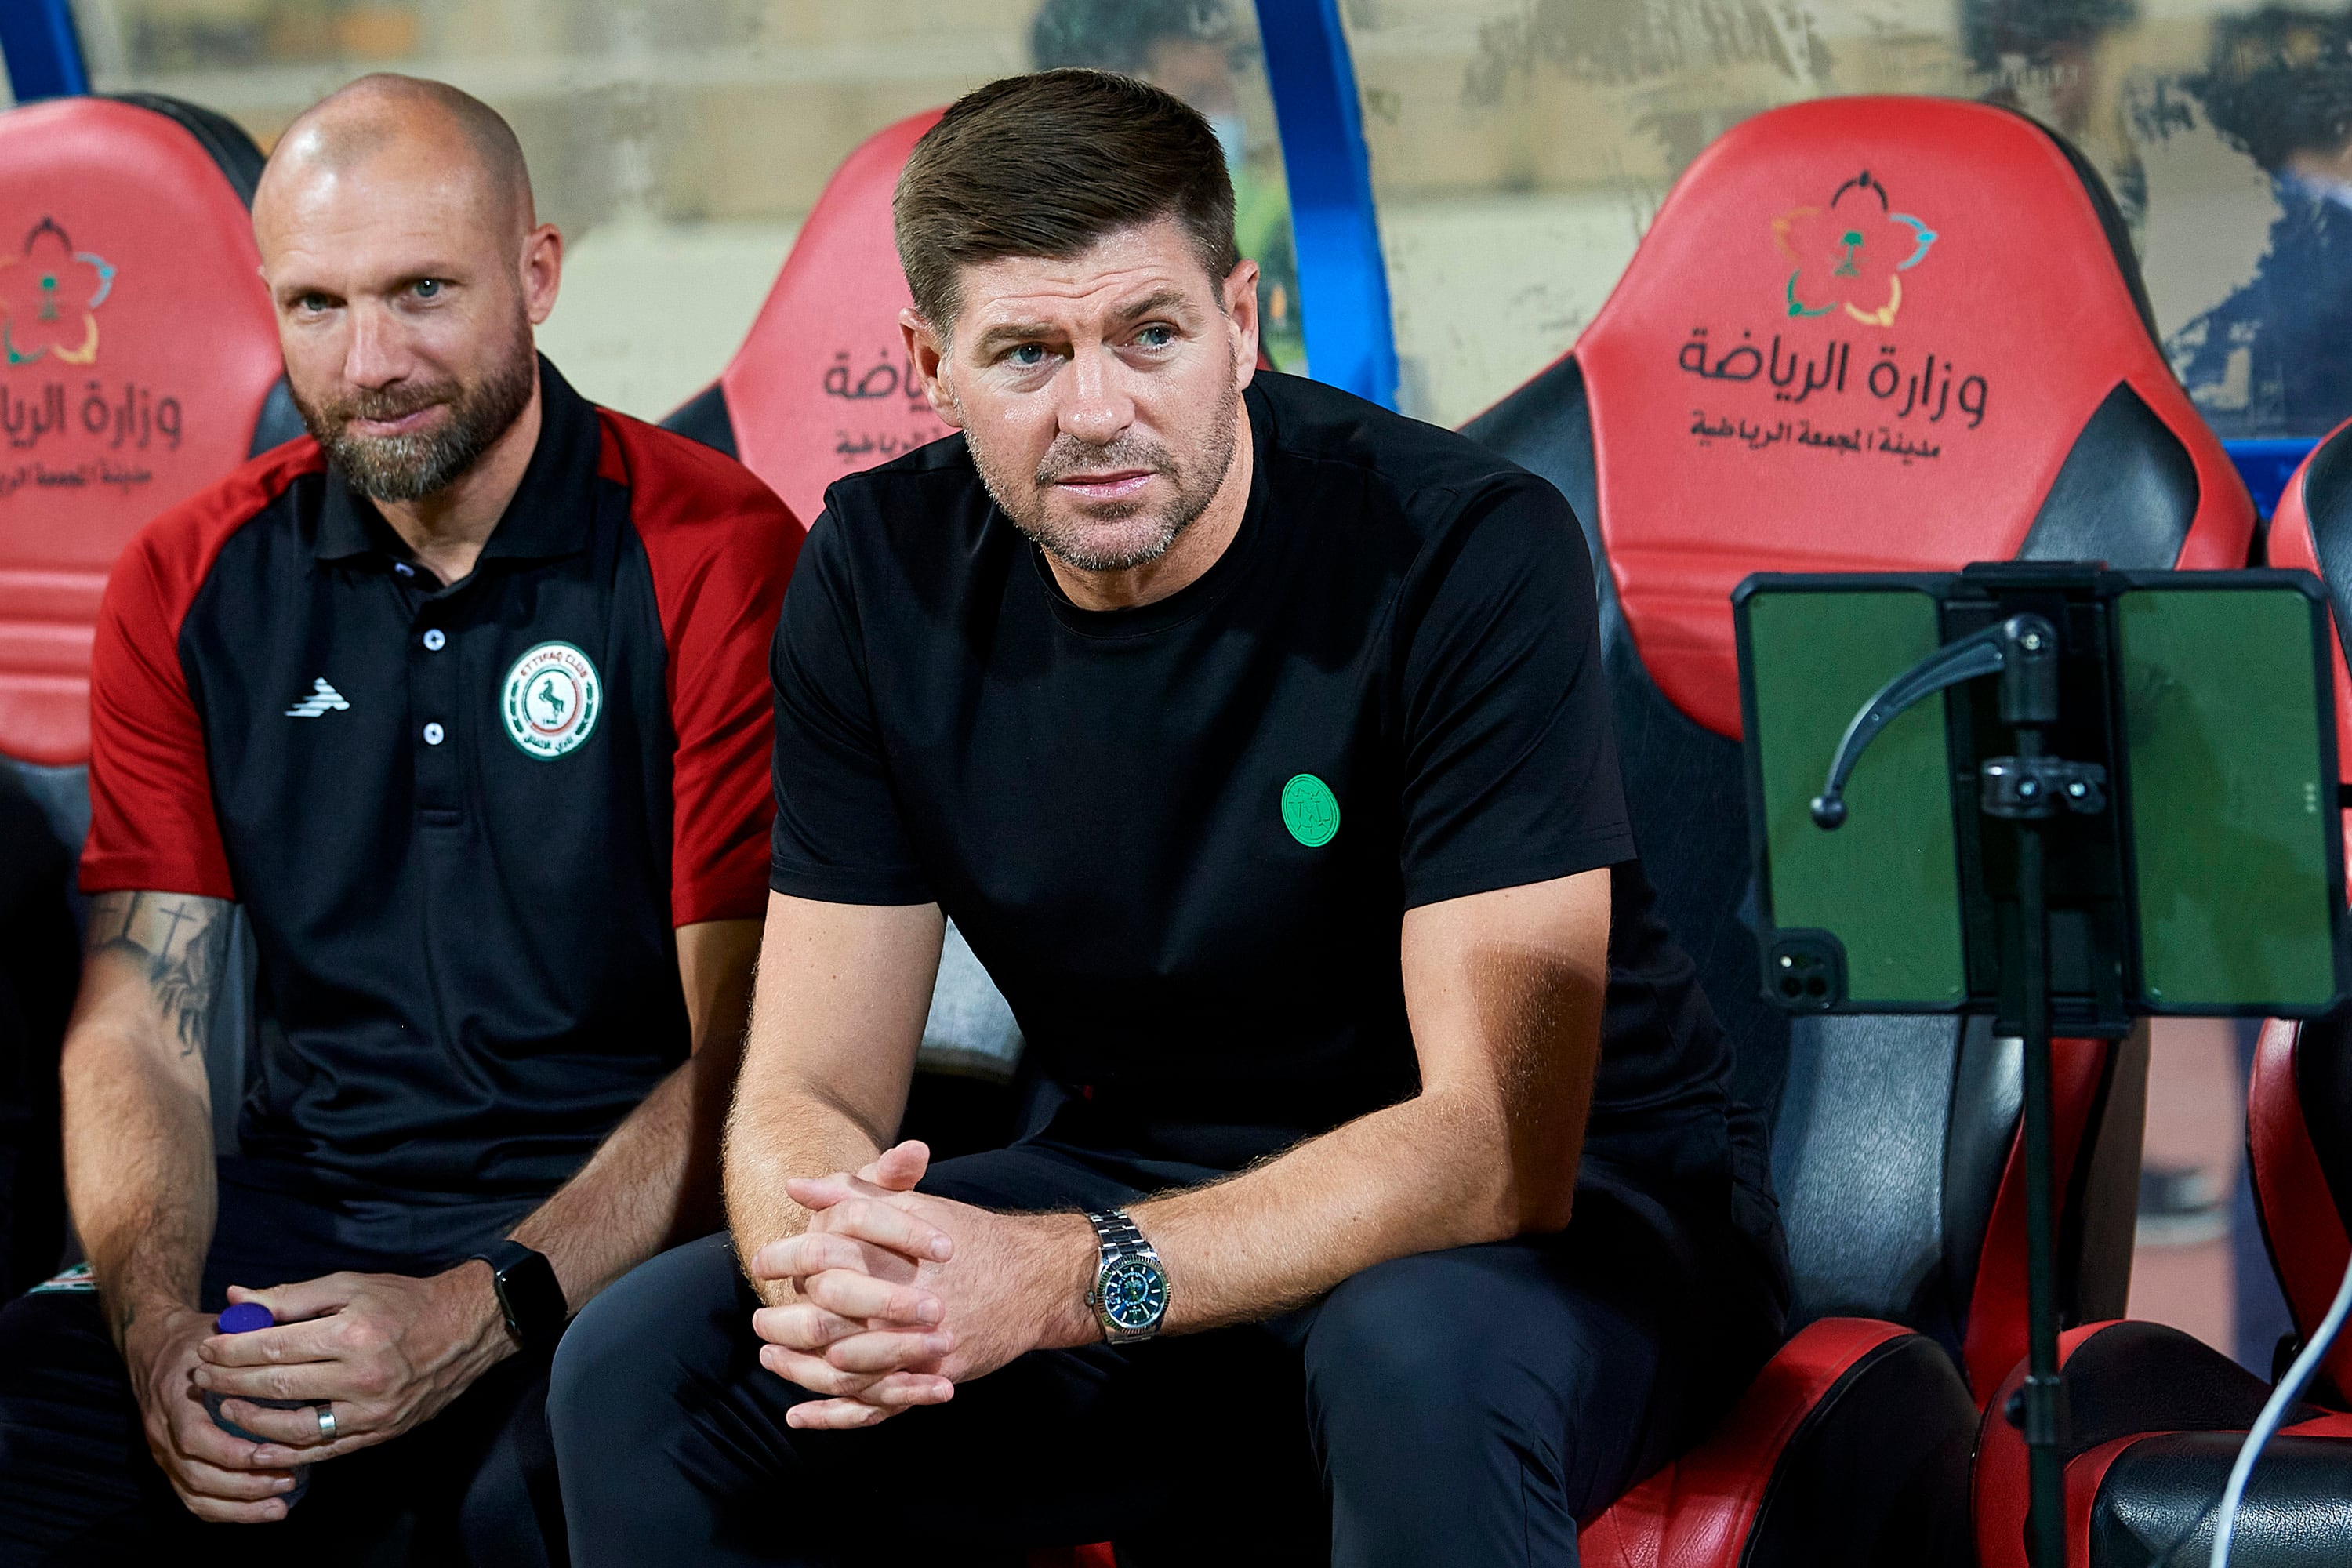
(2158, 1501)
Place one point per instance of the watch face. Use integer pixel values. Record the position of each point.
(1134, 1293)
(532, 1299)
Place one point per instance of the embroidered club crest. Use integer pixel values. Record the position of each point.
(551, 700)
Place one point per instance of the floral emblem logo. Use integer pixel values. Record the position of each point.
(49, 298)
(1850, 253)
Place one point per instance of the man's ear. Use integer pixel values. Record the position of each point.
(928, 354)
(1240, 316)
(542, 271)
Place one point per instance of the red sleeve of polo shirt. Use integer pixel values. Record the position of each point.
(721, 547)
(151, 823)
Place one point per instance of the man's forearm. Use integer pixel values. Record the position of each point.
(776, 1133)
(843, 993)
(1429, 1173)
(635, 1194)
(1504, 991)
(137, 1107)
(138, 1178)
(654, 1183)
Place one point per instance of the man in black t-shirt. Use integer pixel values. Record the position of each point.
(1257, 740)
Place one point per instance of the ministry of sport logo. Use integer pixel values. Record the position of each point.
(49, 296)
(1850, 253)
(551, 700)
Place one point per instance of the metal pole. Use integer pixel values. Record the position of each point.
(2044, 1420)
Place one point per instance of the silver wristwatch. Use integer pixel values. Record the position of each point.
(1130, 1289)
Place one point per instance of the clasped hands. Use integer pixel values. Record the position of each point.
(899, 1295)
(388, 1351)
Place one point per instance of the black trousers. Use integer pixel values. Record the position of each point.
(1462, 1406)
(475, 1484)
(39, 963)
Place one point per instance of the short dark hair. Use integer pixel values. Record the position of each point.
(1046, 165)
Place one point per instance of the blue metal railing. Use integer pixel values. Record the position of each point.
(42, 50)
(1343, 282)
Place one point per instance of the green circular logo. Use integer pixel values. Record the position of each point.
(1310, 811)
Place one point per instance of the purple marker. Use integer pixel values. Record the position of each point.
(243, 1318)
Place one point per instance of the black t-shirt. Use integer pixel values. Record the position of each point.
(1181, 837)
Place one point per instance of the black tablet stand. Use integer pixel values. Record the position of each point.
(2026, 789)
(2044, 791)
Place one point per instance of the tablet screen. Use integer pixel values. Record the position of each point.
(2229, 803)
(1886, 884)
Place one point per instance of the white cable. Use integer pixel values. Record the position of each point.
(2282, 1400)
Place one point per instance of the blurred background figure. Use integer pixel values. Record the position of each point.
(2042, 57)
(2269, 360)
(1194, 49)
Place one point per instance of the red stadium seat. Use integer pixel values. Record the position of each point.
(1863, 334)
(2300, 1128)
(138, 362)
(137, 352)
(2157, 1418)
(2312, 531)
(821, 387)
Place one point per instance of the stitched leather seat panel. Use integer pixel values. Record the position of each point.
(137, 351)
(821, 387)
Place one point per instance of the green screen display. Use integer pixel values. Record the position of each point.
(1886, 883)
(2222, 716)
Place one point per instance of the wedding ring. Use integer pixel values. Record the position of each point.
(326, 1425)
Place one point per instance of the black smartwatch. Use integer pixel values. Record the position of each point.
(528, 1293)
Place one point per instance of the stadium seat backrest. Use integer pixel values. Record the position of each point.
(2312, 531)
(137, 354)
(1870, 334)
(139, 363)
(1876, 331)
(821, 387)
(2299, 1105)
(2299, 1156)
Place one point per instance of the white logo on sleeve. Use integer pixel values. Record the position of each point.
(551, 701)
(323, 700)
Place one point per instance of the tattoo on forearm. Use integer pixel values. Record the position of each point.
(181, 941)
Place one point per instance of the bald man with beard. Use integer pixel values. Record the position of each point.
(460, 701)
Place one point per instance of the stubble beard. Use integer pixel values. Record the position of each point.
(410, 468)
(1124, 535)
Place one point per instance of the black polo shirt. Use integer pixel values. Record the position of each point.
(1183, 837)
(464, 820)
